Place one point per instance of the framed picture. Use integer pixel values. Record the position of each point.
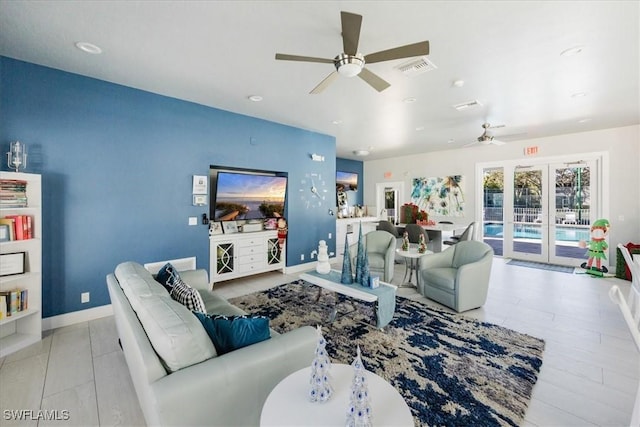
(215, 227)
(11, 264)
(230, 227)
(5, 233)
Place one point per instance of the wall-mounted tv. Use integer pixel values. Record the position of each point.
(243, 194)
(347, 181)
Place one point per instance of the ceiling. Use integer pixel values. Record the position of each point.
(218, 53)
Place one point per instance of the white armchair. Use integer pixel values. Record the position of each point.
(457, 277)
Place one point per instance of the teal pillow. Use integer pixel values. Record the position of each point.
(229, 333)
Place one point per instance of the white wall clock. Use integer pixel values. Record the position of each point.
(313, 190)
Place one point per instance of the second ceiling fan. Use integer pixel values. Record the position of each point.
(350, 63)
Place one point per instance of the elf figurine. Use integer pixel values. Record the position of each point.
(597, 246)
(282, 231)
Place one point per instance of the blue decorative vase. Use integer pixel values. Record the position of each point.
(360, 257)
(364, 276)
(347, 274)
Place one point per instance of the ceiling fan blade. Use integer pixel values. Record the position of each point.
(324, 83)
(496, 142)
(351, 24)
(376, 82)
(470, 144)
(415, 49)
(285, 57)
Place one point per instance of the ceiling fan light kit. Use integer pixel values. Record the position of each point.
(350, 63)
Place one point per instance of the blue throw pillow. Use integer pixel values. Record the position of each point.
(229, 333)
(167, 276)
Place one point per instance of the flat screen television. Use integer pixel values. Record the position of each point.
(239, 194)
(348, 181)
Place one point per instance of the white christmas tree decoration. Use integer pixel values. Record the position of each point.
(320, 380)
(323, 266)
(359, 411)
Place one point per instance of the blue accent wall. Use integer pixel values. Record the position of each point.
(117, 166)
(346, 165)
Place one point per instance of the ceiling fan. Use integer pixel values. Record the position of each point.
(351, 63)
(487, 138)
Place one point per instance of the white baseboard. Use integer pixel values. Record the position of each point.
(69, 319)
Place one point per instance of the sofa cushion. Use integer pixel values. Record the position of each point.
(187, 296)
(443, 278)
(217, 305)
(234, 332)
(175, 334)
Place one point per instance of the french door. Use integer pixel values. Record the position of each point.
(541, 211)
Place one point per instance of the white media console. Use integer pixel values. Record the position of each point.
(243, 254)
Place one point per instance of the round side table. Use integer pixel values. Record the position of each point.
(411, 262)
(288, 403)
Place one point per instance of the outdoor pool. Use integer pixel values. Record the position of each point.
(528, 232)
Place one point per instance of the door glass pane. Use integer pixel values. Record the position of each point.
(527, 211)
(572, 210)
(493, 214)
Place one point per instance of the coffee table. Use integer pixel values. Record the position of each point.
(288, 403)
(384, 297)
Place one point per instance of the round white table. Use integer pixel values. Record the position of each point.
(288, 403)
(411, 262)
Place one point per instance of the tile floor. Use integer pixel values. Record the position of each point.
(589, 374)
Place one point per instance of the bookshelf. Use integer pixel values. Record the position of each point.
(24, 328)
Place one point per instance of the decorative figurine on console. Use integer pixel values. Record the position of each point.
(596, 246)
(282, 231)
(405, 241)
(422, 245)
(323, 266)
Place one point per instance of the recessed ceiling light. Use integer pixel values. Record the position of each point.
(458, 83)
(336, 122)
(578, 95)
(419, 128)
(361, 153)
(255, 98)
(584, 120)
(409, 100)
(450, 141)
(89, 48)
(572, 51)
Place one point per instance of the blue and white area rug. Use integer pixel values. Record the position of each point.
(450, 369)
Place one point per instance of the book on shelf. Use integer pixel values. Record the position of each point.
(14, 301)
(20, 227)
(13, 193)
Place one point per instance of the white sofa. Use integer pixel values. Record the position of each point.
(176, 373)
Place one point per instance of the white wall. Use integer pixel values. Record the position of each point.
(621, 144)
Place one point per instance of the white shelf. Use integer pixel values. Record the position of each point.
(25, 327)
(17, 316)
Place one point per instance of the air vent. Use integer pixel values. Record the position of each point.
(416, 66)
(466, 105)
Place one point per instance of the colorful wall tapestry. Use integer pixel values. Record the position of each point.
(439, 196)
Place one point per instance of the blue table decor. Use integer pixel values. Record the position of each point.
(347, 274)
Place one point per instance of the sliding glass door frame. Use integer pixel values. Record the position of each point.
(545, 222)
